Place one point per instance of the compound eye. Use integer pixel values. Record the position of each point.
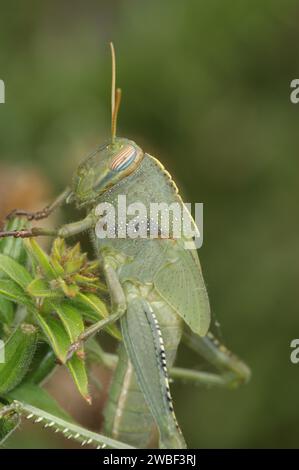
(123, 158)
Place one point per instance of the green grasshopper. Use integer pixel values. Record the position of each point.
(156, 289)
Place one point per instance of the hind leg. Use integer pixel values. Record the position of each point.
(231, 370)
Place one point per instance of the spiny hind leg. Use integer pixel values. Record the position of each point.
(118, 303)
(144, 344)
(45, 212)
(232, 372)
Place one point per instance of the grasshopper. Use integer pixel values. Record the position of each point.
(156, 288)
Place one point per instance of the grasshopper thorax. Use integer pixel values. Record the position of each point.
(104, 168)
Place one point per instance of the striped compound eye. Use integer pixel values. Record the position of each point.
(123, 158)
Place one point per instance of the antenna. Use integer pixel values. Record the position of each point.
(115, 95)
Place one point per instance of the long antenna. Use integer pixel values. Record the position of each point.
(115, 95)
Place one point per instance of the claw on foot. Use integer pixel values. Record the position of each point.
(81, 354)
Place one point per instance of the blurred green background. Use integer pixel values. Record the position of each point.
(206, 89)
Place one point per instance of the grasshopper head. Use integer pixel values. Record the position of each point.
(110, 163)
(104, 168)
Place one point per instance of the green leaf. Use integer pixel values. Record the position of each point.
(40, 288)
(95, 303)
(14, 247)
(73, 265)
(19, 351)
(60, 342)
(97, 310)
(57, 266)
(15, 271)
(6, 311)
(11, 291)
(77, 368)
(56, 335)
(71, 319)
(70, 291)
(37, 396)
(43, 364)
(41, 257)
(8, 425)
